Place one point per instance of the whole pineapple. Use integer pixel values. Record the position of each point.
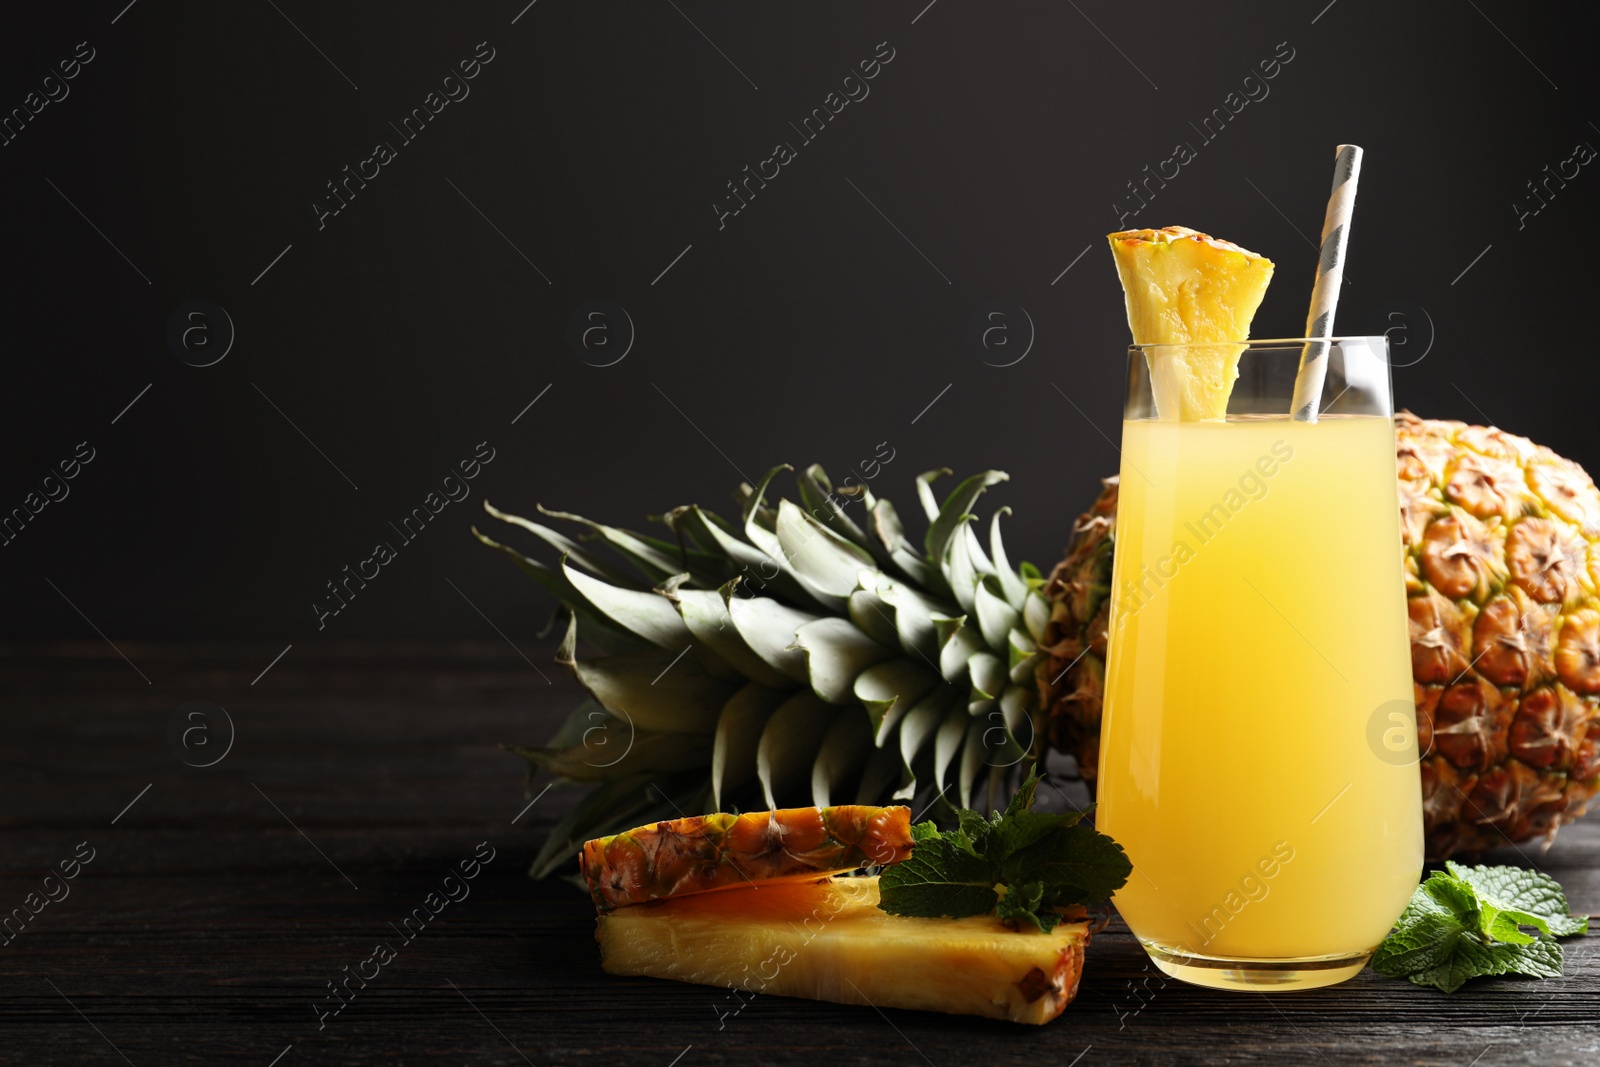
(1502, 572)
(792, 656)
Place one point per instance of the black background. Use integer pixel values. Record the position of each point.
(408, 329)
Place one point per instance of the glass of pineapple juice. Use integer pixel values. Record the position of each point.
(1258, 753)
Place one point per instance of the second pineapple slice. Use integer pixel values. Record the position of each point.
(1184, 287)
(828, 940)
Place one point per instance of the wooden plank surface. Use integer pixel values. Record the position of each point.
(222, 900)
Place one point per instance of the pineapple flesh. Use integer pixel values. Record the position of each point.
(1184, 287)
(828, 940)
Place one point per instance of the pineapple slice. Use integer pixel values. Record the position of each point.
(828, 940)
(1184, 288)
(693, 855)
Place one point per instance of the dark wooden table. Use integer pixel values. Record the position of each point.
(221, 901)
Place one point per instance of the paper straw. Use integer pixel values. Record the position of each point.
(1325, 295)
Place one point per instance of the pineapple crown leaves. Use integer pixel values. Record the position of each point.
(795, 648)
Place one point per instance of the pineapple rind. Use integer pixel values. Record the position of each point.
(828, 940)
(703, 853)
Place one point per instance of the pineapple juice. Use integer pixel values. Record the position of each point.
(1258, 748)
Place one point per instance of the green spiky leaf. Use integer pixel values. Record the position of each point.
(789, 743)
(957, 509)
(799, 643)
(738, 738)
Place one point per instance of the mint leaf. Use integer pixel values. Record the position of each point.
(1426, 943)
(1453, 895)
(1014, 832)
(1022, 799)
(1420, 906)
(1532, 893)
(1019, 865)
(1464, 922)
(974, 834)
(939, 878)
(1474, 957)
(1507, 925)
(1025, 903)
(1080, 863)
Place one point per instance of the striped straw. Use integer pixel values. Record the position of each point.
(1325, 295)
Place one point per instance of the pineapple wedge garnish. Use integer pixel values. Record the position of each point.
(1184, 287)
(828, 940)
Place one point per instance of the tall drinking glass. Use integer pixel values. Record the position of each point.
(1258, 754)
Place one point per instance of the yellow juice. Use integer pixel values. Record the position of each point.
(1258, 747)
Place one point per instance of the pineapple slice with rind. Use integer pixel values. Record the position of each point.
(694, 855)
(1184, 287)
(828, 940)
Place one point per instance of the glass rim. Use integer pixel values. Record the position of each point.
(1264, 342)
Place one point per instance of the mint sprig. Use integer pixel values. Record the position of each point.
(1019, 865)
(1464, 922)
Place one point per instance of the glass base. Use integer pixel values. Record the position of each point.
(1258, 975)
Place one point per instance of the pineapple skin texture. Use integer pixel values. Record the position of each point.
(1184, 287)
(701, 853)
(1502, 573)
(828, 940)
